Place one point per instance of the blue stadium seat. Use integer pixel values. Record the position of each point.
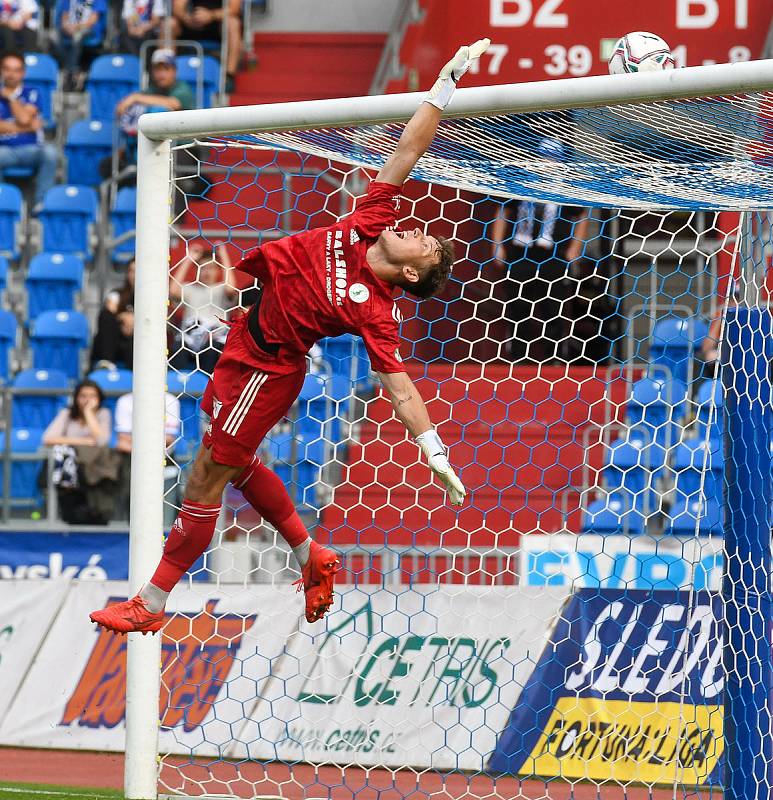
(52, 281)
(314, 407)
(3, 274)
(87, 143)
(298, 462)
(188, 387)
(613, 514)
(123, 217)
(56, 339)
(191, 68)
(112, 380)
(346, 356)
(11, 210)
(68, 212)
(36, 411)
(710, 399)
(687, 515)
(7, 341)
(632, 466)
(25, 470)
(42, 73)
(695, 463)
(657, 406)
(674, 341)
(111, 78)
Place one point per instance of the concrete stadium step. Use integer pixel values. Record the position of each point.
(307, 66)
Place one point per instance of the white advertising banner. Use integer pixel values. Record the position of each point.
(27, 609)
(426, 677)
(621, 562)
(237, 641)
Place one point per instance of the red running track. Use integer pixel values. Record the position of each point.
(105, 770)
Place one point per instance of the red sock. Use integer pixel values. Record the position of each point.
(189, 538)
(266, 493)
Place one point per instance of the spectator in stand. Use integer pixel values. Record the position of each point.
(81, 26)
(123, 427)
(21, 128)
(165, 93)
(205, 291)
(140, 20)
(538, 242)
(202, 21)
(85, 469)
(114, 339)
(19, 21)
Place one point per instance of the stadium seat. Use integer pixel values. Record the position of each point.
(110, 78)
(7, 341)
(52, 281)
(3, 274)
(37, 411)
(56, 339)
(87, 143)
(112, 380)
(188, 387)
(346, 356)
(699, 470)
(191, 69)
(123, 218)
(613, 514)
(657, 406)
(674, 341)
(315, 408)
(42, 73)
(11, 211)
(686, 516)
(67, 216)
(632, 467)
(25, 468)
(297, 461)
(710, 399)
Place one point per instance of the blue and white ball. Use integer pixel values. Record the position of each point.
(640, 52)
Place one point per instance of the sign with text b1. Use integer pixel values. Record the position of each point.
(588, 561)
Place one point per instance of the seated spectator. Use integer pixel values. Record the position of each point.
(19, 21)
(202, 21)
(123, 427)
(206, 292)
(85, 469)
(21, 128)
(81, 26)
(165, 93)
(140, 20)
(114, 339)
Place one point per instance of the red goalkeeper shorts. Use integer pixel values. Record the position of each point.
(248, 394)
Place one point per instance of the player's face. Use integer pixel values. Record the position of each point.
(412, 247)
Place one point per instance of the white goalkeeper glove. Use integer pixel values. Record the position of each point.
(441, 93)
(433, 449)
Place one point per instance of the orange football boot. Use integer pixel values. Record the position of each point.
(128, 617)
(317, 581)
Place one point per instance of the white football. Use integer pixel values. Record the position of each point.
(640, 52)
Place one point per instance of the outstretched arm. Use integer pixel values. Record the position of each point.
(412, 412)
(421, 128)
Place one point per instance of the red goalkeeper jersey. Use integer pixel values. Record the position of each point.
(318, 283)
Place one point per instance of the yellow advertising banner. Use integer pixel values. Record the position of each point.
(622, 740)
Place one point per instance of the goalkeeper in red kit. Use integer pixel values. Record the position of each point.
(322, 282)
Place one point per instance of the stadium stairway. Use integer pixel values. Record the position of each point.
(518, 439)
(307, 66)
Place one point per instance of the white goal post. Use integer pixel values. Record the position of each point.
(157, 134)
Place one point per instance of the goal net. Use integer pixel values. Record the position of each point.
(595, 619)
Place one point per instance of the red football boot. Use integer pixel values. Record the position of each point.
(317, 581)
(128, 617)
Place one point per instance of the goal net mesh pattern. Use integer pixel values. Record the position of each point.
(566, 624)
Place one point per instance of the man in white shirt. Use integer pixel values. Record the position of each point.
(123, 427)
